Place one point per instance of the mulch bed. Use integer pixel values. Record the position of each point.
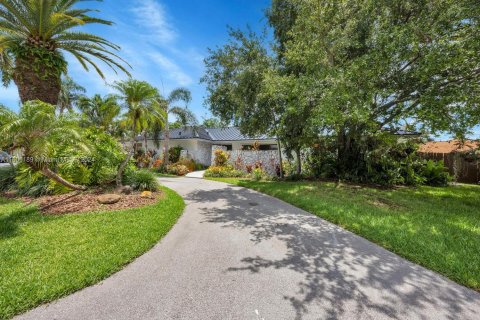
(88, 202)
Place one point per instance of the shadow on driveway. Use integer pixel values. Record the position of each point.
(343, 274)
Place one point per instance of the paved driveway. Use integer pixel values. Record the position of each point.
(238, 254)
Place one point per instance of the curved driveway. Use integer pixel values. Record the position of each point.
(238, 254)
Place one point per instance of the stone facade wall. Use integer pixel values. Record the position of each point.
(201, 153)
(244, 160)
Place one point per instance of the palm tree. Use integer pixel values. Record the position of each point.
(184, 115)
(141, 102)
(70, 93)
(36, 130)
(35, 34)
(99, 111)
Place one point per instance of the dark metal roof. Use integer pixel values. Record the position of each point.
(211, 134)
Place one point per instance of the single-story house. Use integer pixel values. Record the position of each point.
(198, 143)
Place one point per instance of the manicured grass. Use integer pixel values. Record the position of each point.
(438, 228)
(165, 175)
(43, 258)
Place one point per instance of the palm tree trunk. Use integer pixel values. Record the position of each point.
(166, 144)
(145, 139)
(123, 165)
(55, 177)
(43, 84)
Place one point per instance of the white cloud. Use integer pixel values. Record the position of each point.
(172, 70)
(152, 15)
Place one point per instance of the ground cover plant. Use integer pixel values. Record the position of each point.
(438, 228)
(43, 258)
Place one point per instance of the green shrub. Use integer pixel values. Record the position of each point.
(435, 173)
(221, 158)
(174, 154)
(32, 184)
(143, 180)
(7, 178)
(257, 174)
(223, 172)
(177, 169)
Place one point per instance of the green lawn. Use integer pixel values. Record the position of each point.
(438, 228)
(43, 258)
(165, 175)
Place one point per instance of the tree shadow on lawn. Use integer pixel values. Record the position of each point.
(344, 276)
(10, 222)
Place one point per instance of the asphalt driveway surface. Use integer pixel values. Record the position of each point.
(238, 254)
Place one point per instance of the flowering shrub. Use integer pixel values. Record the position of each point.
(221, 158)
(177, 169)
(223, 172)
(157, 164)
(190, 164)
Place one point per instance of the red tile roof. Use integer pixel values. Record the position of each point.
(451, 146)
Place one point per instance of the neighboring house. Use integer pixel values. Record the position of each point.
(461, 159)
(198, 143)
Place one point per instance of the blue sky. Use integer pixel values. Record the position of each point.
(165, 41)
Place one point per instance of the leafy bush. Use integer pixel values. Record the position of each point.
(174, 154)
(32, 184)
(177, 169)
(226, 171)
(257, 174)
(221, 158)
(7, 178)
(143, 180)
(379, 159)
(435, 173)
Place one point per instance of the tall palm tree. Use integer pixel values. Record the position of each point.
(34, 34)
(37, 130)
(70, 93)
(99, 111)
(184, 115)
(141, 102)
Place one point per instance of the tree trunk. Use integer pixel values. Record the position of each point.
(43, 84)
(121, 169)
(299, 161)
(166, 144)
(55, 177)
(145, 140)
(280, 158)
(130, 154)
(123, 165)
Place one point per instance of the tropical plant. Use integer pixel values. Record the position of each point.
(7, 177)
(143, 180)
(99, 111)
(141, 102)
(174, 154)
(38, 132)
(184, 115)
(35, 34)
(220, 157)
(70, 93)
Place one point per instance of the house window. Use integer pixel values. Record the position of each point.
(262, 147)
(229, 147)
